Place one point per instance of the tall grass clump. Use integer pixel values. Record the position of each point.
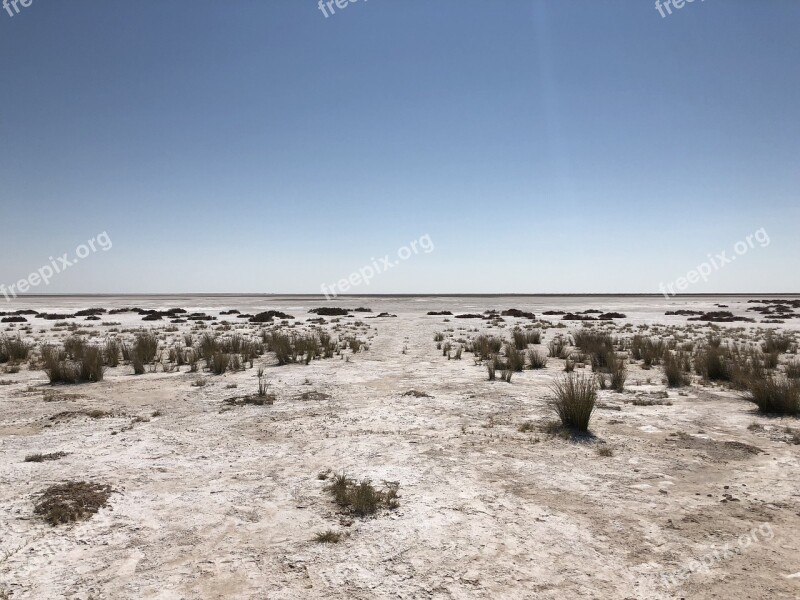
(144, 351)
(618, 370)
(574, 400)
(598, 345)
(92, 365)
(558, 347)
(111, 352)
(673, 370)
(537, 361)
(776, 343)
(59, 368)
(13, 349)
(775, 395)
(793, 369)
(711, 362)
(491, 367)
(515, 359)
(522, 338)
(648, 350)
(146, 347)
(484, 346)
(219, 363)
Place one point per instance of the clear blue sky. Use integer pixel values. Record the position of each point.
(257, 146)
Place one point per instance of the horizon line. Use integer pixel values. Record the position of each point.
(404, 295)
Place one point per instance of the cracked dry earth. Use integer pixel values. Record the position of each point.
(212, 501)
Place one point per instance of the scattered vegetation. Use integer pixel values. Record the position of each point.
(71, 501)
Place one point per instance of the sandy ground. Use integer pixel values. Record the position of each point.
(219, 502)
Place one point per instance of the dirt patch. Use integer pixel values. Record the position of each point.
(717, 451)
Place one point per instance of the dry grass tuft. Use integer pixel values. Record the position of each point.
(574, 400)
(328, 537)
(44, 457)
(71, 501)
(361, 497)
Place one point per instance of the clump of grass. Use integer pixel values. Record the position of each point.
(515, 359)
(648, 350)
(711, 362)
(74, 346)
(485, 346)
(88, 367)
(558, 347)
(92, 367)
(523, 338)
(673, 370)
(774, 395)
(44, 457)
(71, 501)
(328, 537)
(144, 351)
(417, 394)
(263, 385)
(776, 344)
(491, 368)
(219, 362)
(605, 451)
(574, 400)
(537, 361)
(793, 369)
(527, 427)
(618, 370)
(598, 345)
(111, 352)
(13, 349)
(361, 497)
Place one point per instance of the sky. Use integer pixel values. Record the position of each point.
(525, 146)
